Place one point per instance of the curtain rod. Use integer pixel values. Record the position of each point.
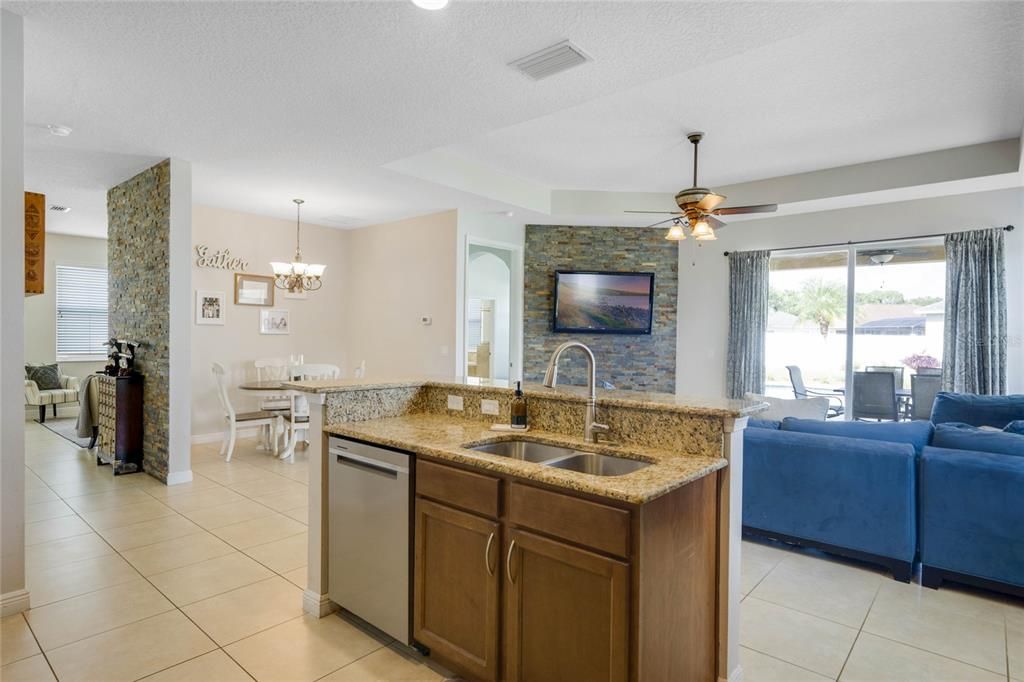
(1008, 228)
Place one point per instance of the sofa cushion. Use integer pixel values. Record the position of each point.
(1016, 426)
(977, 410)
(917, 433)
(779, 408)
(47, 377)
(966, 437)
(764, 423)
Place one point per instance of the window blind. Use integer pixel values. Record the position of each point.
(81, 311)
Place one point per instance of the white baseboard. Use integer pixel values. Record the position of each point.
(13, 602)
(218, 436)
(179, 477)
(735, 676)
(318, 605)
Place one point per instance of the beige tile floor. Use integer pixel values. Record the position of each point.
(134, 580)
(131, 579)
(806, 616)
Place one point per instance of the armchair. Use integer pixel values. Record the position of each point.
(67, 393)
(796, 378)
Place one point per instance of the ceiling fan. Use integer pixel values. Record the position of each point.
(699, 206)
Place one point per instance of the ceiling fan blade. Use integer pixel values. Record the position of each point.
(737, 210)
(709, 201)
(662, 222)
(661, 212)
(714, 222)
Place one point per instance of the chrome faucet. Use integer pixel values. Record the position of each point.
(591, 428)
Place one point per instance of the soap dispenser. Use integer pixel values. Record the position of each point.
(519, 408)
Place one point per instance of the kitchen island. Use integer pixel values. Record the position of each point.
(519, 566)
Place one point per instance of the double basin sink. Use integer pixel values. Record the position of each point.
(562, 458)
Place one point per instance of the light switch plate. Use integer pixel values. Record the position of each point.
(455, 402)
(489, 406)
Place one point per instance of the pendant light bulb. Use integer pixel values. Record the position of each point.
(676, 233)
(702, 231)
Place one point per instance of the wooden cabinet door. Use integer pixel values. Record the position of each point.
(455, 598)
(566, 612)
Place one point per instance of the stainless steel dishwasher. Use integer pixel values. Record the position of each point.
(368, 531)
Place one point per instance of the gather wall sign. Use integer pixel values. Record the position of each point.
(221, 260)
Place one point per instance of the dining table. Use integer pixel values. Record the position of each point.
(276, 387)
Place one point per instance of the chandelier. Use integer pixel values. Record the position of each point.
(297, 276)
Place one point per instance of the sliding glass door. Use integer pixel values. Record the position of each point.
(834, 313)
(806, 310)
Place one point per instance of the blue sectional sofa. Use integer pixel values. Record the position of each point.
(942, 492)
(972, 494)
(836, 486)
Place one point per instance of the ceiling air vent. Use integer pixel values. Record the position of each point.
(550, 60)
(59, 209)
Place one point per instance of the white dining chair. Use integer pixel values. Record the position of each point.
(275, 369)
(272, 421)
(299, 417)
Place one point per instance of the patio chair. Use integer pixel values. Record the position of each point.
(896, 372)
(874, 396)
(796, 378)
(923, 389)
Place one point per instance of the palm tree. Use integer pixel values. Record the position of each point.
(822, 303)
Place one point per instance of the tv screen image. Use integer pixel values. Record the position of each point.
(604, 302)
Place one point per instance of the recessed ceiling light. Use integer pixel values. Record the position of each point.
(60, 209)
(58, 130)
(430, 4)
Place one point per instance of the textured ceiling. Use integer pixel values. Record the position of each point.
(878, 80)
(275, 100)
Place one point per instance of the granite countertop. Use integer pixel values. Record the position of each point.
(443, 437)
(709, 407)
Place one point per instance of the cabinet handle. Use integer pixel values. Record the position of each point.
(508, 563)
(487, 554)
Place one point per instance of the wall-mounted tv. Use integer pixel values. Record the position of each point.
(603, 302)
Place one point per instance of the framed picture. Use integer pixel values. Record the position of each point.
(253, 289)
(274, 322)
(210, 307)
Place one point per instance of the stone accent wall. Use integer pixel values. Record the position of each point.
(643, 363)
(138, 260)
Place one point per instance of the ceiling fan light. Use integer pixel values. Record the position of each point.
(676, 233)
(703, 232)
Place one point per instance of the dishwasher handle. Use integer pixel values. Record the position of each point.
(374, 465)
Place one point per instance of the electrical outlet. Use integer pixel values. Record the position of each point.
(455, 402)
(488, 406)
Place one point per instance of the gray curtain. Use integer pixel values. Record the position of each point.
(974, 344)
(748, 321)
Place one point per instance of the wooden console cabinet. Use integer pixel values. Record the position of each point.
(119, 439)
(519, 582)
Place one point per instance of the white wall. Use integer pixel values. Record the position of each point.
(13, 596)
(179, 240)
(704, 272)
(41, 310)
(318, 324)
(398, 273)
